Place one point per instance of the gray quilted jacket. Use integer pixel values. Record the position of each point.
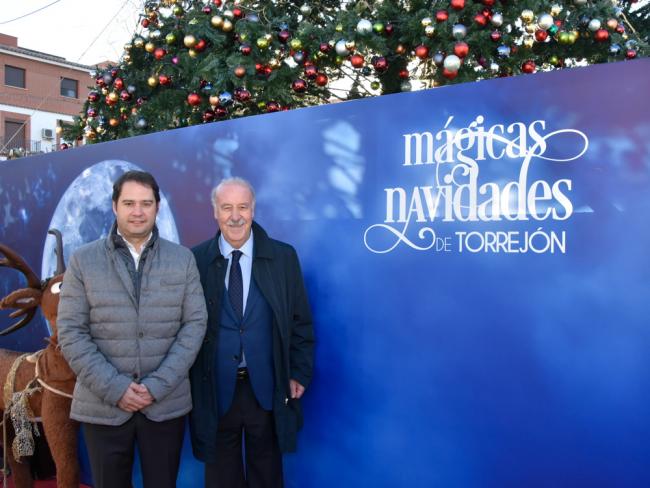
(110, 339)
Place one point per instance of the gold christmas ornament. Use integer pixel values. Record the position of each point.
(529, 41)
(189, 40)
(214, 100)
(555, 10)
(193, 53)
(426, 21)
(227, 26)
(217, 21)
(138, 42)
(262, 43)
(149, 47)
(527, 16)
(429, 31)
(296, 44)
(152, 81)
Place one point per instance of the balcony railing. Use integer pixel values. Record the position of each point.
(19, 148)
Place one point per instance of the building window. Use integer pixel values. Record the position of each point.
(14, 135)
(69, 87)
(14, 76)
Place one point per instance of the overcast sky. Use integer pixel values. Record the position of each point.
(68, 27)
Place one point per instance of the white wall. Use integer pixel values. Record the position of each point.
(39, 121)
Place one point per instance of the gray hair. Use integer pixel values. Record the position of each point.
(234, 180)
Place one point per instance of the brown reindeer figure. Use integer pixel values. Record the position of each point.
(46, 368)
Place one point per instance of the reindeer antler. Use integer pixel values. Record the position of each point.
(25, 300)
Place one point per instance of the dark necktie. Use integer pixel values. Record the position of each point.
(236, 285)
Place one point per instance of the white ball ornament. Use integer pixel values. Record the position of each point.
(452, 63)
(364, 27)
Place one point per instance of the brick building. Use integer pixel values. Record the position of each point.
(38, 92)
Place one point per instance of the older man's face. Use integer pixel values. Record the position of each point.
(234, 210)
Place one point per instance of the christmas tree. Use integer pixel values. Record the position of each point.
(199, 61)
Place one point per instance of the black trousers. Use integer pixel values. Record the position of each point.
(263, 460)
(111, 450)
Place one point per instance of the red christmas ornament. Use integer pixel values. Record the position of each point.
(488, 3)
(495, 36)
(93, 96)
(299, 86)
(389, 29)
(201, 45)
(125, 95)
(159, 53)
(442, 15)
(461, 49)
(208, 115)
(237, 12)
(194, 99)
(272, 106)
(422, 51)
(403, 74)
(283, 36)
(481, 20)
(321, 79)
(245, 49)
(267, 70)
(311, 72)
(528, 66)
(324, 47)
(457, 4)
(541, 35)
(145, 23)
(217, 2)
(207, 10)
(118, 84)
(450, 75)
(357, 60)
(558, 22)
(220, 112)
(630, 54)
(91, 112)
(259, 68)
(242, 95)
(240, 71)
(64, 146)
(601, 35)
(164, 79)
(620, 28)
(380, 63)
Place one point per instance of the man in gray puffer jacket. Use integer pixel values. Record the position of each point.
(131, 321)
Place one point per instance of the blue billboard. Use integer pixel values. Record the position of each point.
(477, 259)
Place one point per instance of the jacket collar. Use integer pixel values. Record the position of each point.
(114, 240)
(262, 247)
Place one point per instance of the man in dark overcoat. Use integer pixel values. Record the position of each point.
(257, 355)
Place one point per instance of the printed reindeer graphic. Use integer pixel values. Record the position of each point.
(39, 384)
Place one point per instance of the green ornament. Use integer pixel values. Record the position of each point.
(378, 27)
(339, 28)
(262, 43)
(178, 10)
(375, 85)
(170, 38)
(553, 29)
